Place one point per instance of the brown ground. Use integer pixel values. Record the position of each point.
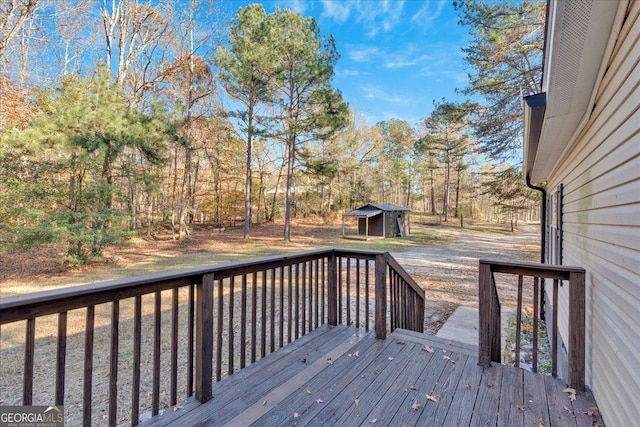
(442, 258)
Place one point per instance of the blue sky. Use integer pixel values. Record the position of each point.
(397, 56)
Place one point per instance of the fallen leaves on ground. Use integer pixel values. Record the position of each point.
(177, 407)
(357, 402)
(449, 359)
(572, 393)
(427, 348)
(566, 408)
(415, 405)
(308, 391)
(431, 398)
(593, 411)
(373, 421)
(319, 401)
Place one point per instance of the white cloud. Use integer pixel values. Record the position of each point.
(299, 6)
(377, 15)
(401, 61)
(336, 10)
(361, 53)
(375, 92)
(350, 72)
(425, 16)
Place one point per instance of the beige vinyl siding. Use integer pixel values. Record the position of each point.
(600, 174)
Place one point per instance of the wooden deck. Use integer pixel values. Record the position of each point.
(344, 377)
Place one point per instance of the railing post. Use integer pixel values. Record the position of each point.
(485, 301)
(204, 339)
(381, 296)
(332, 290)
(576, 330)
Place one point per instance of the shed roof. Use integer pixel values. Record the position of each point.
(387, 207)
(364, 212)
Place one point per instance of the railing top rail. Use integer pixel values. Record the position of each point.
(561, 272)
(54, 301)
(36, 304)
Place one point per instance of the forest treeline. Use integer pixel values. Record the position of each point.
(128, 116)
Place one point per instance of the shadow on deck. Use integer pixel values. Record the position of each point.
(343, 376)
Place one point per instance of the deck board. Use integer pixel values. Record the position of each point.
(342, 376)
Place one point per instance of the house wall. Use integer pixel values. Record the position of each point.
(600, 175)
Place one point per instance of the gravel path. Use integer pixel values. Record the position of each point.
(449, 271)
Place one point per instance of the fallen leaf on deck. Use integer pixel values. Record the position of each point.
(412, 387)
(177, 407)
(357, 401)
(427, 348)
(449, 359)
(566, 408)
(296, 415)
(373, 421)
(490, 385)
(572, 393)
(415, 405)
(390, 358)
(431, 398)
(467, 386)
(264, 402)
(593, 411)
(304, 361)
(319, 401)
(540, 422)
(356, 354)
(400, 342)
(329, 361)
(308, 391)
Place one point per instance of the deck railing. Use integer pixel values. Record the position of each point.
(174, 334)
(490, 323)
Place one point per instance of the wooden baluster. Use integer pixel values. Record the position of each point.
(317, 294)
(113, 364)
(311, 297)
(137, 342)
(323, 286)
(340, 290)
(272, 329)
(519, 321)
(243, 322)
(61, 357)
(289, 303)
(357, 293)
(29, 352)
(219, 329)
(230, 336)
(157, 328)
(304, 298)
(348, 296)
(366, 294)
(297, 302)
(254, 315)
(174, 347)
(332, 290)
(88, 366)
(263, 330)
(190, 339)
(534, 368)
(281, 324)
(554, 331)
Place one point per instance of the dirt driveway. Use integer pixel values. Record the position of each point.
(449, 271)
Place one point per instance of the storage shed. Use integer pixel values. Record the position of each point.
(383, 220)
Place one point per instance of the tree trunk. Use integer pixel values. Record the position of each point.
(445, 200)
(248, 184)
(287, 208)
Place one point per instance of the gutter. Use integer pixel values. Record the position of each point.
(543, 237)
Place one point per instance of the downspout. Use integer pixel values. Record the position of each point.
(543, 237)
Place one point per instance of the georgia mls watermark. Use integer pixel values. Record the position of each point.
(31, 416)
